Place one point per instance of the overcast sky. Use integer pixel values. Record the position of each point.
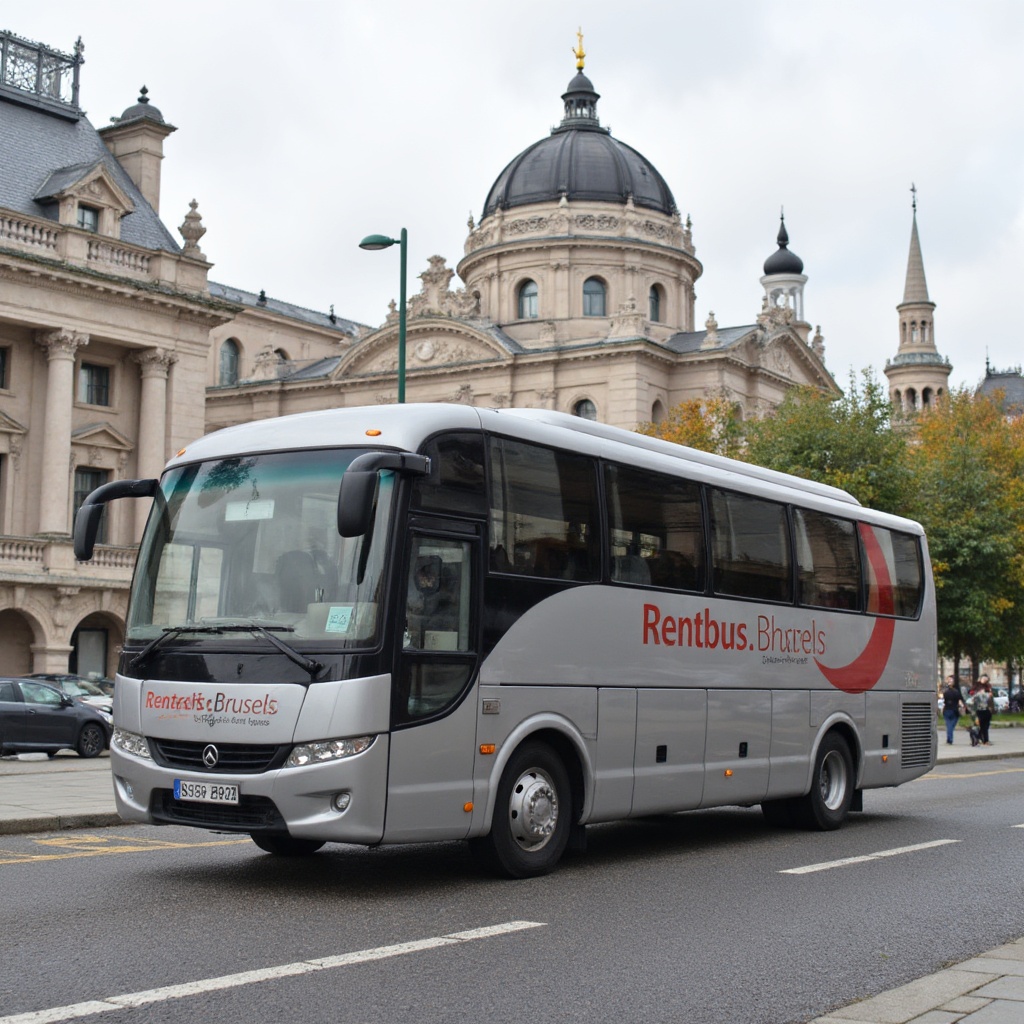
(304, 126)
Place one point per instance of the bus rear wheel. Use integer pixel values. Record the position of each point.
(285, 845)
(825, 807)
(532, 815)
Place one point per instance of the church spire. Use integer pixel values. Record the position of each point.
(916, 288)
(918, 376)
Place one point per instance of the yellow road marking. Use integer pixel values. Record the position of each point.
(971, 775)
(99, 846)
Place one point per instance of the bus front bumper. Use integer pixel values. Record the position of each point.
(339, 801)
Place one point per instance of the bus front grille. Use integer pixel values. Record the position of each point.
(250, 814)
(231, 757)
(917, 735)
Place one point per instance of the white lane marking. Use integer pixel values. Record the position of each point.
(827, 865)
(192, 988)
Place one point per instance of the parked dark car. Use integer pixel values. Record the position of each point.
(35, 716)
(71, 685)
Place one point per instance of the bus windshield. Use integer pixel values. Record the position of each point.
(253, 540)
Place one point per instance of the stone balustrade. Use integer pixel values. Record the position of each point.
(22, 556)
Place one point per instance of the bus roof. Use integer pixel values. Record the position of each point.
(405, 427)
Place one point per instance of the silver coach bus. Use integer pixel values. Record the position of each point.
(428, 622)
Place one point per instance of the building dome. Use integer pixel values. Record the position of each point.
(581, 161)
(782, 261)
(143, 108)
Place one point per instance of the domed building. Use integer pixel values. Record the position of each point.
(577, 294)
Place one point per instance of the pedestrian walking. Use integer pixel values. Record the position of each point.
(984, 702)
(952, 706)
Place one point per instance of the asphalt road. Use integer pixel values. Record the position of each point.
(694, 918)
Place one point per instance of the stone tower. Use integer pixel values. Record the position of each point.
(784, 280)
(918, 375)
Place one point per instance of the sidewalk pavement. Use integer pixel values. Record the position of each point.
(39, 794)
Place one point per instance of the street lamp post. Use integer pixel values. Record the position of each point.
(383, 242)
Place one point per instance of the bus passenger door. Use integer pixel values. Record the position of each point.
(433, 739)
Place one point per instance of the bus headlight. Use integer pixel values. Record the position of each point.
(327, 750)
(131, 743)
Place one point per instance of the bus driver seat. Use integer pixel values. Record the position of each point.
(298, 581)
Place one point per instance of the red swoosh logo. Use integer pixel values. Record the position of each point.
(866, 669)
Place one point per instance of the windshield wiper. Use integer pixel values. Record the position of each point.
(166, 635)
(307, 664)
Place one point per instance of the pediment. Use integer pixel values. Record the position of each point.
(92, 183)
(101, 435)
(431, 343)
(786, 354)
(9, 425)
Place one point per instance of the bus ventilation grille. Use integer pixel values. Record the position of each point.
(918, 735)
(232, 757)
(251, 814)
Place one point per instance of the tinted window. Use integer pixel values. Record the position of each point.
(7, 691)
(456, 480)
(827, 560)
(655, 536)
(543, 512)
(750, 549)
(892, 564)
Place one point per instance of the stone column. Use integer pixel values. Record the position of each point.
(60, 346)
(151, 450)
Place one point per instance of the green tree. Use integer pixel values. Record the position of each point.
(967, 462)
(848, 442)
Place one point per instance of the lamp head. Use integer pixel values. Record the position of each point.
(376, 242)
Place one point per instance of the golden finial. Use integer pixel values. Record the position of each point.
(579, 49)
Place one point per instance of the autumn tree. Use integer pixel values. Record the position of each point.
(710, 424)
(967, 462)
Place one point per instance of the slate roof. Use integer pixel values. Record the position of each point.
(691, 341)
(1011, 383)
(41, 152)
(289, 309)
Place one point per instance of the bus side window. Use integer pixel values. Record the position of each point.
(456, 479)
(656, 533)
(750, 547)
(902, 554)
(544, 512)
(828, 562)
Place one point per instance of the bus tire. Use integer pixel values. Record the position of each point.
(286, 845)
(532, 815)
(825, 807)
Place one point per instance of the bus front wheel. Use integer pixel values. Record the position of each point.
(285, 845)
(825, 807)
(532, 815)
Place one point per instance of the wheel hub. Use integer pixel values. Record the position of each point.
(533, 810)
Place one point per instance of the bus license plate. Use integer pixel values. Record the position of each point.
(205, 792)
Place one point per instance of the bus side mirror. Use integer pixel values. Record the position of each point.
(87, 522)
(359, 485)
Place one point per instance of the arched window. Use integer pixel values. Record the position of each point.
(585, 409)
(654, 304)
(528, 300)
(657, 411)
(593, 297)
(228, 362)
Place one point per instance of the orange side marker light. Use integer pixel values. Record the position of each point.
(487, 748)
